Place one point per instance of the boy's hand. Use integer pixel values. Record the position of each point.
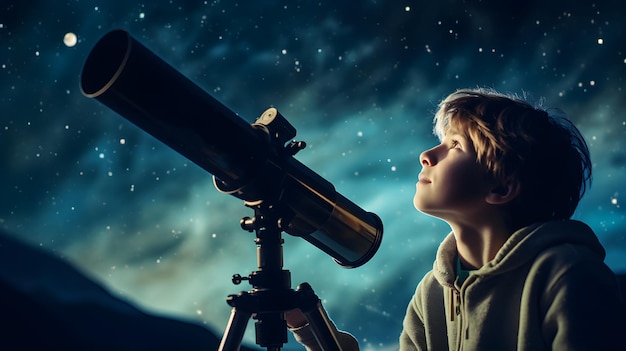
(295, 318)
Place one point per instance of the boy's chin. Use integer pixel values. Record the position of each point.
(416, 204)
(419, 204)
(422, 208)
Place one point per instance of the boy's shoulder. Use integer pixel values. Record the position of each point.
(575, 255)
(568, 256)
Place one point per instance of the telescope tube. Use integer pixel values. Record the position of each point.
(127, 77)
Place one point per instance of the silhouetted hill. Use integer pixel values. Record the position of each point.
(46, 303)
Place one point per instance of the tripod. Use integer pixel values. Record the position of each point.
(272, 295)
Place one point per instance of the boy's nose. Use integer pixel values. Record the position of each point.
(426, 158)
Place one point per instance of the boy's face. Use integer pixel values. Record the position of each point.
(452, 185)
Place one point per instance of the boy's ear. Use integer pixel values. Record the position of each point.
(502, 193)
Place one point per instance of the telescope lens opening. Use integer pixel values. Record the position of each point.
(105, 62)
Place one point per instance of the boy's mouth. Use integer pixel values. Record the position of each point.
(423, 180)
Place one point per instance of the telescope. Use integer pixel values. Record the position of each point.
(248, 161)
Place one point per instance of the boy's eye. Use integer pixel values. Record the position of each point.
(454, 143)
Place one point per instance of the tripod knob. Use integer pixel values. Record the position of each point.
(248, 223)
(237, 279)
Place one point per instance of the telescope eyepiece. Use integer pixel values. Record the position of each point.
(277, 126)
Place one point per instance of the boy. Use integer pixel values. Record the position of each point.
(515, 273)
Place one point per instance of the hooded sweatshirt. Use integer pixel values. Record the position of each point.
(547, 289)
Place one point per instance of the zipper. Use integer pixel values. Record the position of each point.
(455, 304)
(457, 309)
(455, 315)
(452, 304)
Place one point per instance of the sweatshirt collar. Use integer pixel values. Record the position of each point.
(521, 247)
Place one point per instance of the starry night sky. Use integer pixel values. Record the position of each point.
(358, 80)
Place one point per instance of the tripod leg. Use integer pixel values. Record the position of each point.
(236, 328)
(322, 327)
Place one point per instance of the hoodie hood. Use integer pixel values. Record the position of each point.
(521, 247)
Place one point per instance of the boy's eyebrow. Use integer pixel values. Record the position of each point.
(452, 129)
(454, 132)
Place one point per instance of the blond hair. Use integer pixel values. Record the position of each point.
(539, 148)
